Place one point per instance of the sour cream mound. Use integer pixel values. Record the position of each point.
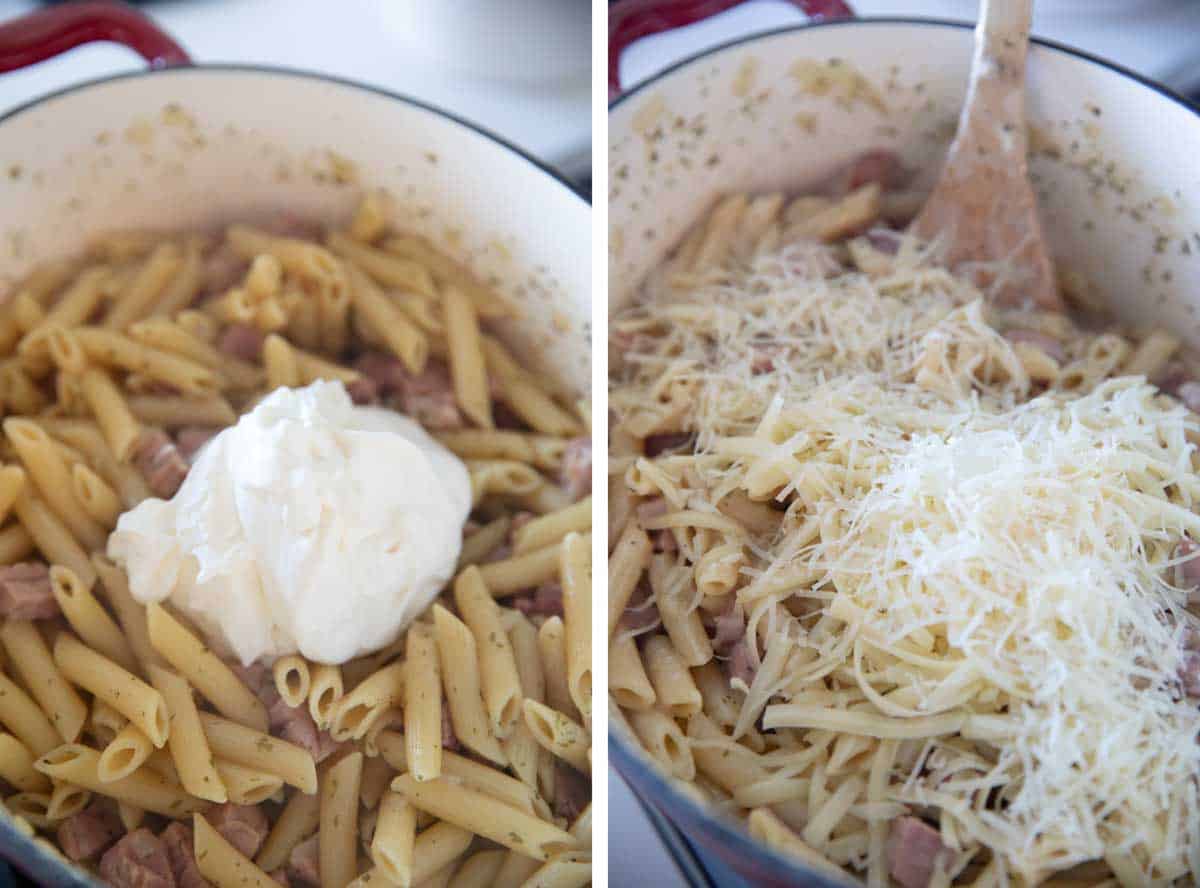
(312, 526)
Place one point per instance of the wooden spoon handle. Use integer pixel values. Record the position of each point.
(1002, 37)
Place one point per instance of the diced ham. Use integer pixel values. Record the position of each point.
(296, 725)
(181, 853)
(363, 391)
(739, 664)
(664, 540)
(1187, 571)
(429, 398)
(84, 835)
(519, 520)
(500, 553)
(294, 226)
(242, 341)
(913, 851)
(546, 600)
(1189, 674)
(449, 738)
(190, 439)
(243, 826)
(505, 419)
(572, 792)
(641, 613)
(257, 678)
(878, 166)
(303, 863)
(139, 860)
(222, 270)
(655, 445)
(384, 370)
(1189, 667)
(577, 468)
(763, 360)
(280, 875)
(730, 628)
(1189, 393)
(651, 509)
(160, 463)
(1046, 343)
(885, 240)
(1171, 377)
(25, 592)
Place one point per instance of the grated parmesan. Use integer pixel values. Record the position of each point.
(969, 563)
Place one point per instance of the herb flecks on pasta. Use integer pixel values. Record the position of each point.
(126, 737)
(893, 571)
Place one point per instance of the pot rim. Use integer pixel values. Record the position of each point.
(649, 786)
(959, 24)
(304, 74)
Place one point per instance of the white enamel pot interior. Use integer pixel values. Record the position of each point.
(198, 147)
(189, 148)
(1116, 163)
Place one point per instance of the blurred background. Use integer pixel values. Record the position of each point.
(520, 68)
(1157, 38)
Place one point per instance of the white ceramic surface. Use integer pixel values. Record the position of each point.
(253, 143)
(1115, 160)
(366, 40)
(1155, 37)
(541, 41)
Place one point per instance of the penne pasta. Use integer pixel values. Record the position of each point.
(467, 366)
(292, 680)
(30, 660)
(298, 820)
(221, 863)
(460, 670)
(338, 832)
(203, 669)
(52, 537)
(78, 765)
(247, 747)
(119, 688)
(575, 571)
(247, 786)
(484, 816)
(188, 742)
(392, 846)
(89, 619)
(497, 664)
(124, 754)
(423, 705)
(324, 692)
(16, 766)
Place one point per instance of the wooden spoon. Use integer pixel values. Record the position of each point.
(983, 208)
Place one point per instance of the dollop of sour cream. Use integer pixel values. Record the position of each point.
(312, 526)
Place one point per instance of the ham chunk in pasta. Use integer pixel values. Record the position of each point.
(160, 463)
(914, 849)
(84, 835)
(304, 862)
(577, 468)
(242, 341)
(25, 592)
(181, 852)
(139, 860)
(243, 826)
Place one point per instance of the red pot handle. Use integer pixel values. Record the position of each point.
(630, 20)
(48, 32)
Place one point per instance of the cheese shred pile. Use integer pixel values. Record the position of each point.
(968, 564)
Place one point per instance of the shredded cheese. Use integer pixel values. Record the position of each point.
(975, 572)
